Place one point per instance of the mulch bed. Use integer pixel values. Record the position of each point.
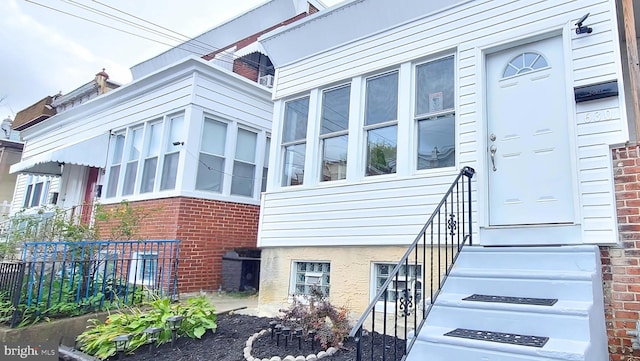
(229, 340)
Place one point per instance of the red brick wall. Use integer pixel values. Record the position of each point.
(206, 230)
(621, 264)
(243, 69)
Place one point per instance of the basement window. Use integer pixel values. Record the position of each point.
(307, 275)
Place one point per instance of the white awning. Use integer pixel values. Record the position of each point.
(90, 152)
(254, 47)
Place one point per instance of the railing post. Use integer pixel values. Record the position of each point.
(470, 175)
(359, 344)
(17, 292)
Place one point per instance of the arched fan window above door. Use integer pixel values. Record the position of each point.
(524, 62)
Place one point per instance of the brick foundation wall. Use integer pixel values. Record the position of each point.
(621, 264)
(206, 230)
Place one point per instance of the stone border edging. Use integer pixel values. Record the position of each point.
(312, 357)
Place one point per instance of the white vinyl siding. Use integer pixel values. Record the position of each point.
(392, 210)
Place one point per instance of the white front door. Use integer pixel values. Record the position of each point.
(530, 179)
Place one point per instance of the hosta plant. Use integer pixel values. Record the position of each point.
(199, 316)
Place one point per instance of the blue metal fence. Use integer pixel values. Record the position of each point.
(92, 273)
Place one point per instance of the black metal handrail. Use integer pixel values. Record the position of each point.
(437, 246)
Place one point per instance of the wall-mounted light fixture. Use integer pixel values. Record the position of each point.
(583, 29)
(176, 143)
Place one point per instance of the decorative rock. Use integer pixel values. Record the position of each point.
(249, 341)
(312, 357)
(300, 358)
(322, 354)
(332, 350)
(263, 332)
(249, 358)
(275, 358)
(289, 358)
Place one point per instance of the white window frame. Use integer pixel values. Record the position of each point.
(265, 164)
(30, 185)
(334, 135)
(367, 128)
(137, 267)
(254, 176)
(165, 124)
(285, 144)
(425, 117)
(224, 156)
(309, 275)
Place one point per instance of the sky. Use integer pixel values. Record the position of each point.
(44, 51)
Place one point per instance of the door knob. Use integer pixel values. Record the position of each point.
(493, 149)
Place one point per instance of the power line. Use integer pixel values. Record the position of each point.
(130, 23)
(181, 46)
(186, 37)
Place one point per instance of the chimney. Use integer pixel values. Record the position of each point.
(6, 127)
(101, 80)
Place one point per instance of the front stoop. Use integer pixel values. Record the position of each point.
(531, 303)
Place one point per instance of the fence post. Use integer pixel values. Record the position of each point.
(17, 292)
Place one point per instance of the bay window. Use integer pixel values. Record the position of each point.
(131, 167)
(381, 123)
(294, 135)
(434, 113)
(265, 165)
(210, 176)
(172, 148)
(152, 150)
(117, 146)
(139, 158)
(244, 167)
(334, 126)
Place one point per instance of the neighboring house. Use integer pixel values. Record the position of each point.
(10, 153)
(374, 120)
(185, 142)
(41, 180)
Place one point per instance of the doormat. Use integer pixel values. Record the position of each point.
(517, 300)
(510, 338)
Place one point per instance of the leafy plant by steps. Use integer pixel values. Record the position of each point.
(315, 313)
(199, 316)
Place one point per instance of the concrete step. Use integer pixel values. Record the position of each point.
(526, 320)
(570, 285)
(583, 258)
(574, 324)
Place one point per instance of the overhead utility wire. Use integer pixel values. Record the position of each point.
(180, 46)
(186, 37)
(95, 22)
(131, 23)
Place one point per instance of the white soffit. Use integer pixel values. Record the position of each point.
(91, 152)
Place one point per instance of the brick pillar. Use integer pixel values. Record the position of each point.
(621, 264)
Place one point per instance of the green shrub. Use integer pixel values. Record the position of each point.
(199, 316)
